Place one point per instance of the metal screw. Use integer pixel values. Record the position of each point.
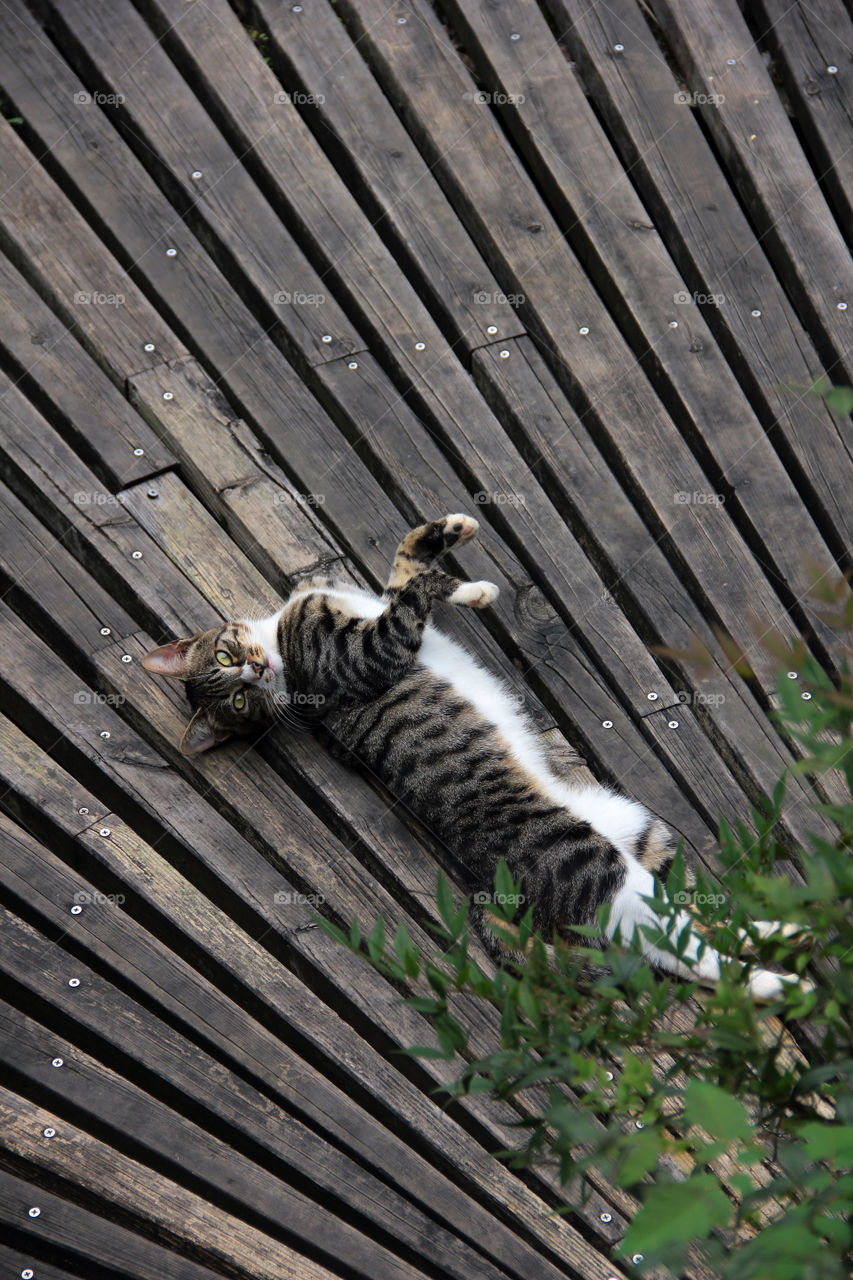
(106, 631)
(583, 331)
(168, 395)
(76, 909)
(673, 324)
(353, 364)
(297, 8)
(607, 724)
(731, 62)
(606, 1217)
(57, 1062)
(515, 36)
(792, 675)
(420, 346)
(619, 48)
(139, 453)
(327, 337)
(640, 1124)
(34, 1212)
(149, 346)
(105, 733)
(609, 1075)
(49, 1133)
(104, 831)
(806, 697)
(196, 175)
(833, 71)
(755, 313)
(74, 982)
(504, 355)
(672, 724)
(136, 555)
(652, 697)
(27, 1274)
(83, 809)
(637, 1259)
(152, 493)
(841, 306)
(492, 328)
(171, 253)
(127, 657)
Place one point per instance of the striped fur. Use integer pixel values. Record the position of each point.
(446, 737)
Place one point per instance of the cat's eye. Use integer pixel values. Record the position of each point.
(223, 657)
(238, 702)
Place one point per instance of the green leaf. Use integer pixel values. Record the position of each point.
(376, 940)
(676, 1213)
(829, 1142)
(444, 901)
(716, 1111)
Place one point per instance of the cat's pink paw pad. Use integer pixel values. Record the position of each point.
(461, 527)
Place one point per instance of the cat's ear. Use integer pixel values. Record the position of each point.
(199, 736)
(170, 659)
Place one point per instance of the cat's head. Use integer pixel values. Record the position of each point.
(234, 680)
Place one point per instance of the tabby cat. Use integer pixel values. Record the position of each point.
(444, 735)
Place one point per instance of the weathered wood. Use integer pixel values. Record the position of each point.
(754, 135)
(660, 142)
(152, 1203)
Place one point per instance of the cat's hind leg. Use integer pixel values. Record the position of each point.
(420, 548)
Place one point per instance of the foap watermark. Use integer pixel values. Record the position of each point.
(89, 898)
(683, 299)
(682, 99)
(95, 498)
(494, 297)
(688, 897)
(485, 496)
(496, 99)
(89, 698)
(293, 698)
(696, 499)
(287, 499)
(298, 99)
(291, 898)
(701, 699)
(297, 298)
(84, 99)
(484, 899)
(96, 299)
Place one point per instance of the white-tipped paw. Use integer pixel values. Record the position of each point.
(477, 595)
(460, 528)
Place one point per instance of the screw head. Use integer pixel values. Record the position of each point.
(49, 1133)
(83, 809)
(106, 631)
(76, 909)
(755, 312)
(353, 364)
(583, 330)
(606, 1217)
(673, 324)
(607, 724)
(841, 306)
(609, 1075)
(27, 1273)
(640, 1124)
(136, 555)
(833, 71)
(731, 62)
(139, 453)
(619, 48)
(504, 355)
(127, 657)
(149, 346)
(105, 733)
(152, 493)
(34, 1212)
(104, 831)
(74, 982)
(196, 175)
(792, 675)
(492, 328)
(297, 8)
(420, 346)
(171, 253)
(57, 1062)
(637, 1259)
(652, 697)
(672, 724)
(515, 36)
(327, 337)
(168, 395)
(806, 697)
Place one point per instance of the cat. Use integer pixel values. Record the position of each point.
(447, 737)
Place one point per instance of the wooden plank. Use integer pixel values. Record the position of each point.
(426, 81)
(555, 129)
(308, 1199)
(46, 360)
(153, 1204)
(669, 158)
(300, 1018)
(760, 148)
(75, 1238)
(314, 1106)
(811, 46)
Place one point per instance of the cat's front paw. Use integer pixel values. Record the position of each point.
(476, 595)
(426, 543)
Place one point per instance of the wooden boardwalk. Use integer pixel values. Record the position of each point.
(280, 280)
